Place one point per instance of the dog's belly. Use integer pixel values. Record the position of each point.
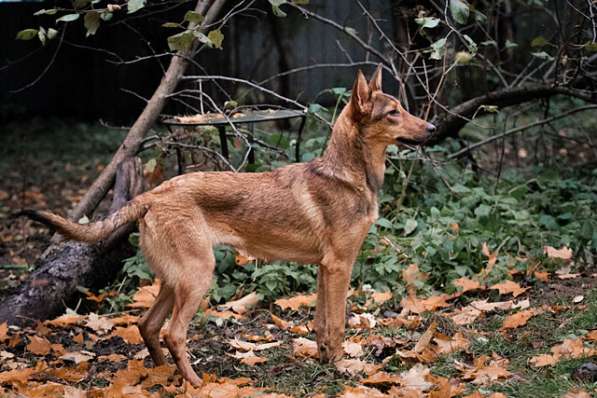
(270, 245)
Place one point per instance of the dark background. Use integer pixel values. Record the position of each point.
(81, 83)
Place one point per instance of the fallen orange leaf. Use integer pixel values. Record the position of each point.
(66, 320)
(542, 276)
(280, 323)
(113, 357)
(446, 388)
(77, 357)
(412, 304)
(380, 378)
(3, 332)
(159, 375)
(411, 274)
(125, 319)
(99, 324)
(544, 360)
(47, 390)
(449, 345)
(243, 304)
(577, 393)
(381, 297)
(416, 378)
(353, 349)
(294, 303)
(38, 345)
(22, 375)
(303, 347)
(565, 253)
(361, 392)
(146, 295)
(301, 330)
(510, 287)
(222, 314)
(486, 370)
(426, 337)
(466, 284)
(129, 334)
(570, 348)
(356, 366)
(362, 321)
(248, 346)
(519, 319)
(71, 374)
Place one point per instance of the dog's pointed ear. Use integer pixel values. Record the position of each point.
(375, 82)
(360, 95)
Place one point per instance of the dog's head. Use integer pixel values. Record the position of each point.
(381, 117)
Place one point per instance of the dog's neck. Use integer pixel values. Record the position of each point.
(351, 158)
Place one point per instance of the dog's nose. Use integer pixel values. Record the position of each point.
(431, 128)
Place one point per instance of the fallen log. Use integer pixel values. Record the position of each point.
(69, 264)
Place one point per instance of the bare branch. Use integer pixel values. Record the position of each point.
(491, 139)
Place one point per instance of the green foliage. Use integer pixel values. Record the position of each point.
(135, 5)
(92, 22)
(427, 22)
(68, 18)
(459, 10)
(442, 229)
(271, 280)
(438, 48)
(193, 17)
(215, 38)
(27, 34)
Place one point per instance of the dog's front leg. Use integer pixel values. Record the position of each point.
(332, 284)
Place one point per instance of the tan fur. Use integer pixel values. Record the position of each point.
(317, 212)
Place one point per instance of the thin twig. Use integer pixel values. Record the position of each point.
(517, 130)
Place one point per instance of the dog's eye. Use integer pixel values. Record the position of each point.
(395, 112)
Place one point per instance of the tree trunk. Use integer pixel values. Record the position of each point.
(71, 264)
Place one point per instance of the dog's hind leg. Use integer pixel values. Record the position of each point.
(152, 322)
(196, 267)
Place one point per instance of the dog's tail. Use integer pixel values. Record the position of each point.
(92, 232)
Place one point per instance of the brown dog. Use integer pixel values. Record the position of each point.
(317, 212)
